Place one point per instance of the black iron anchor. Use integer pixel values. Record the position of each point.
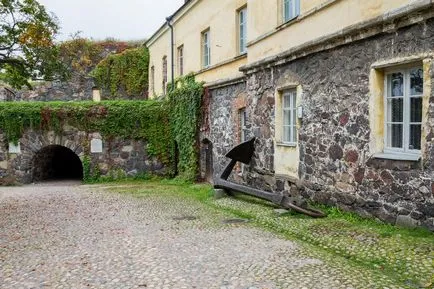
(243, 153)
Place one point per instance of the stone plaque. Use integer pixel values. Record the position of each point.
(96, 146)
(14, 149)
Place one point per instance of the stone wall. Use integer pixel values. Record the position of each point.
(119, 157)
(222, 130)
(76, 89)
(336, 165)
(6, 94)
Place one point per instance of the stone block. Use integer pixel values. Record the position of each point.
(220, 193)
(4, 165)
(406, 221)
(281, 212)
(127, 149)
(344, 187)
(132, 173)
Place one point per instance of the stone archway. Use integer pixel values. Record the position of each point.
(56, 162)
(206, 160)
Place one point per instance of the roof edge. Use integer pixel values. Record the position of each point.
(176, 13)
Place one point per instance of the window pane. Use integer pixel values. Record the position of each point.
(395, 138)
(286, 133)
(206, 49)
(297, 7)
(395, 110)
(416, 109)
(415, 136)
(294, 129)
(288, 8)
(242, 33)
(286, 100)
(396, 84)
(286, 117)
(416, 81)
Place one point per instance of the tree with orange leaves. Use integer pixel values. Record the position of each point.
(27, 48)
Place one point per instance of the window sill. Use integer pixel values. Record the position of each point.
(288, 22)
(398, 156)
(284, 144)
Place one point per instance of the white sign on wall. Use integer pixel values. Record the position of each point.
(96, 145)
(14, 149)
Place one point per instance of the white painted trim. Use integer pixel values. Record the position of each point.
(286, 144)
(398, 156)
(402, 61)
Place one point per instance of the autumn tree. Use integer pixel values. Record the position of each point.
(27, 49)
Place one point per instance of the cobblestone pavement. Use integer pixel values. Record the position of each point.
(57, 236)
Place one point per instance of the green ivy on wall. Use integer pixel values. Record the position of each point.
(139, 120)
(126, 72)
(164, 125)
(185, 102)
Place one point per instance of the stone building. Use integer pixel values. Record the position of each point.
(338, 93)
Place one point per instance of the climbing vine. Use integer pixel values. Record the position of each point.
(139, 120)
(185, 103)
(164, 125)
(122, 73)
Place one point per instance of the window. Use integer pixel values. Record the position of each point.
(289, 110)
(291, 9)
(243, 125)
(206, 49)
(152, 88)
(164, 74)
(181, 60)
(242, 33)
(403, 110)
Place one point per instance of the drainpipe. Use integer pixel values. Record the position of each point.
(169, 23)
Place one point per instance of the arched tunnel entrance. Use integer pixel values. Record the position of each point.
(56, 162)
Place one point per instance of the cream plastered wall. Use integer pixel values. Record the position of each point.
(318, 18)
(286, 157)
(221, 18)
(223, 72)
(157, 51)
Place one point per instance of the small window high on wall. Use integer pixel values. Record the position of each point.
(206, 49)
(242, 32)
(181, 60)
(403, 110)
(291, 9)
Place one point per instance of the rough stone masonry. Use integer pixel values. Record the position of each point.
(116, 158)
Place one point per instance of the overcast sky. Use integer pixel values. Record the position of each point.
(121, 19)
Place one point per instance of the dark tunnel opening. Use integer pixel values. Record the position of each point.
(56, 163)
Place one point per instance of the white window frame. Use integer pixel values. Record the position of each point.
(242, 30)
(181, 60)
(291, 9)
(206, 49)
(291, 109)
(243, 125)
(406, 112)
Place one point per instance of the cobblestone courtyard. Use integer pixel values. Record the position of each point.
(71, 236)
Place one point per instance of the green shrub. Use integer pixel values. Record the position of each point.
(123, 73)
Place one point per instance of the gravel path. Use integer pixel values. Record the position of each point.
(71, 236)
